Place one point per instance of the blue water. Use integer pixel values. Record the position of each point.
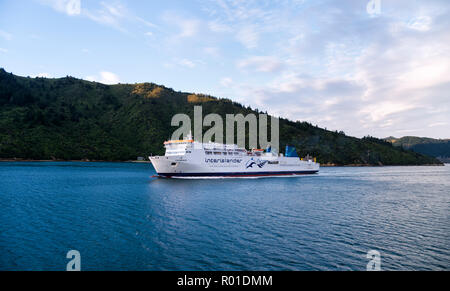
(119, 218)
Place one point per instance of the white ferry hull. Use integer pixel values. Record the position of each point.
(190, 159)
(180, 167)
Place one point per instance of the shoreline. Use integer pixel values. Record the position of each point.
(148, 162)
(78, 161)
(378, 165)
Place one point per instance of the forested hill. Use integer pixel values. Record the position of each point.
(439, 148)
(72, 119)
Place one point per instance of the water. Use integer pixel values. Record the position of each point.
(119, 218)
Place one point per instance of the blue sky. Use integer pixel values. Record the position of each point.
(380, 71)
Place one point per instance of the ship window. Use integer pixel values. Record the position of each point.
(173, 164)
(273, 162)
(224, 153)
(217, 153)
(208, 153)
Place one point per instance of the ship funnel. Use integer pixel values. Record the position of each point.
(291, 152)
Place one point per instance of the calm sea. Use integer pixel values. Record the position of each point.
(119, 218)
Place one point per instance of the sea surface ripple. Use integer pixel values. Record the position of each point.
(119, 218)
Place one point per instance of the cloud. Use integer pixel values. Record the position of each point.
(421, 23)
(182, 63)
(69, 7)
(212, 51)
(248, 37)
(226, 82)
(344, 70)
(381, 110)
(438, 124)
(73, 7)
(264, 64)
(179, 28)
(145, 22)
(105, 78)
(3, 50)
(108, 13)
(218, 27)
(188, 27)
(186, 63)
(116, 15)
(5, 35)
(250, 20)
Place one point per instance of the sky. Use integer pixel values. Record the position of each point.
(366, 67)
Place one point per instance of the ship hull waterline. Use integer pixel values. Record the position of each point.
(233, 175)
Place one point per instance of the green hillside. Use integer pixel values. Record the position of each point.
(439, 148)
(72, 119)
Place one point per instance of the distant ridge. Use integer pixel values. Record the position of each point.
(439, 148)
(73, 119)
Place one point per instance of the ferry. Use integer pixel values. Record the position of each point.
(190, 159)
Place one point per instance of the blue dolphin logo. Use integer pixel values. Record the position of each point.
(252, 162)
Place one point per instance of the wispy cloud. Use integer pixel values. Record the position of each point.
(109, 13)
(226, 82)
(145, 22)
(5, 35)
(183, 63)
(218, 27)
(187, 63)
(251, 19)
(248, 36)
(421, 23)
(438, 124)
(69, 7)
(186, 27)
(260, 64)
(212, 51)
(104, 77)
